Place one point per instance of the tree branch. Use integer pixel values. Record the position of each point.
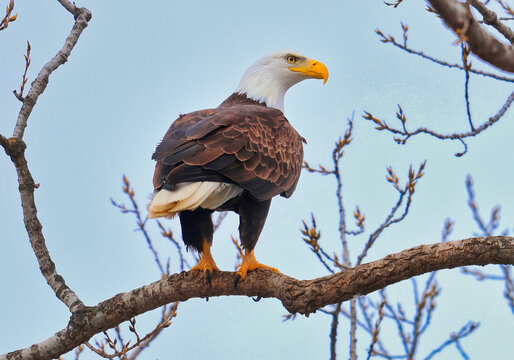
(15, 148)
(490, 18)
(297, 296)
(458, 17)
(383, 126)
(389, 39)
(82, 16)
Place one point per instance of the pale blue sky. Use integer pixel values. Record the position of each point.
(138, 65)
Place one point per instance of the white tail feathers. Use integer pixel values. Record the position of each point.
(190, 196)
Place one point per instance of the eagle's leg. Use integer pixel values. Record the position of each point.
(197, 230)
(252, 216)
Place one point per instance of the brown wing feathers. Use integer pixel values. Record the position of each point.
(251, 145)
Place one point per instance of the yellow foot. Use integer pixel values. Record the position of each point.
(250, 263)
(207, 265)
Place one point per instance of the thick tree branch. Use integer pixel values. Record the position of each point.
(297, 296)
(490, 18)
(458, 17)
(15, 148)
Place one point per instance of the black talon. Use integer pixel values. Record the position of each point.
(209, 277)
(236, 281)
(257, 299)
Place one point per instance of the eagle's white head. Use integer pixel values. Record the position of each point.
(268, 79)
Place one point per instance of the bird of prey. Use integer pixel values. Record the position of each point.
(235, 157)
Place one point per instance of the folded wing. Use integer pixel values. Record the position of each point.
(252, 146)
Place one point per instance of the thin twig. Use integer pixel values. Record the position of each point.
(390, 39)
(24, 80)
(337, 155)
(454, 136)
(509, 285)
(454, 338)
(333, 331)
(490, 18)
(82, 16)
(8, 18)
(353, 330)
(399, 324)
(407, 191)
(129, 191)
(219, 219)
(376, 329)
(480, 275)
(169, 312)
(467, 66)
(167, 233)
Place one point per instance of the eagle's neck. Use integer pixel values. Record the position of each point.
(272, 96)
(265, 85)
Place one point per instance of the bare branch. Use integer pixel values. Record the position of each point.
(455, 136)
(480, 275)
(505, 6)
(337, 155)
(447, 229)
(353, 329)
(8, 18)
(333, 331)
(167, 233)
(311, 238)
(389, 39)
(494, 223)
(219, 220)
(24, 80)
(459, 18)
(15, 148)
(486, 229)
(376, 329)
(406, 192)
(141, 224)
(509, 285)
(121, 349)
(82, 16)
(71, 7)
(297, 296)
(359, 221)
(467, 66)
(398, 319)
(454, 338)
(239, 253)
(490, 18)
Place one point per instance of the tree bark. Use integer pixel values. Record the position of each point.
(297, 296)
(458, 17)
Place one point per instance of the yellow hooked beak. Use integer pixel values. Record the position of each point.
(315, 69)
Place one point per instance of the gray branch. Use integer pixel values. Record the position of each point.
(458, 17)
(15, 148)
(82, 16)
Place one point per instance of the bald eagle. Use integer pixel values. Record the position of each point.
(235, 157)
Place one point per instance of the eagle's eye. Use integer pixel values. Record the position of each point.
(291, 59)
